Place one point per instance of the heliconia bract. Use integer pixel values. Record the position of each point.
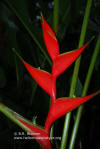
(40, 135)
(63, 106)
(50, 40)
(47, 81)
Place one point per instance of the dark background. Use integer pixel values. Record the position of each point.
(20, 92)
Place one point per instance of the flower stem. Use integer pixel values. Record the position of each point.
(86, 85)
(91, 67)
(65, 131)
(81, 42)
(12, 116)
(75, 73)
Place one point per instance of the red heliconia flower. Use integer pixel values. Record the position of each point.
(63, 106)
(60, 62)
(39, 134)
(47, 81)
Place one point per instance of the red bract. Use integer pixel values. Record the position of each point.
(63, 61)
(39, 134)
(50, 40)
(47, 81)
(63, 106)
(43, 78)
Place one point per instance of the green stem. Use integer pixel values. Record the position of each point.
(91, 67)
(12, 116)
(81, 41)
(86, 85)
(51, 133)
(56, 16)
(75, 73)
(65, 131)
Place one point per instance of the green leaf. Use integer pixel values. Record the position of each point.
(20, 10)
(79, 88)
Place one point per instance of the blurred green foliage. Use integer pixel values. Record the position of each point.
(20, 28)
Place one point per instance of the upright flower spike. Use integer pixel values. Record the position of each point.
(47, 81)
(39, 134)
(50, 40)
(63, 106)
(60, 62)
